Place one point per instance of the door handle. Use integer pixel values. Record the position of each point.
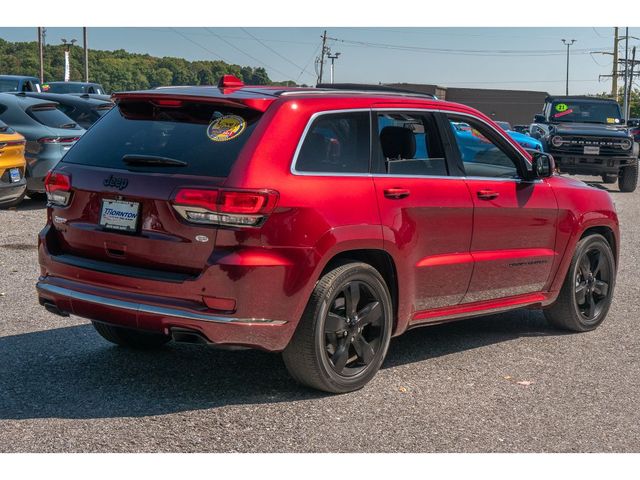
(487, 194)
(396, 193)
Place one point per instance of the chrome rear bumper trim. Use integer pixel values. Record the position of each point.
(150, 309)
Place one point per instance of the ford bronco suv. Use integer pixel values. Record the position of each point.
(586, 136)
(314, 222)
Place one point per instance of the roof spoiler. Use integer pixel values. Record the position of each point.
(364, 87)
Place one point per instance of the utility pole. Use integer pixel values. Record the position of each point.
(86, 54)
(614, 74)
(41, 53)
(333, 58)
(322, 53)
(568, 44)
(626, 71)
(627, 112)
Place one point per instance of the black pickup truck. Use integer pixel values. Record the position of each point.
(587, 136)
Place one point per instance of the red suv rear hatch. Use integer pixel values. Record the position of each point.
(119, 185)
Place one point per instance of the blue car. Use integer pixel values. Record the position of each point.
(523, 139)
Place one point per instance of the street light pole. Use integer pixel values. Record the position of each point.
(333, 58)
(568, 44)
(86, 54)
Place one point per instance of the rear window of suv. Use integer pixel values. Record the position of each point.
(206, 137)
(50, 116)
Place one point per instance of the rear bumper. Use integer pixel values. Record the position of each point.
(11, 191)
(591, 165)
(136, 311)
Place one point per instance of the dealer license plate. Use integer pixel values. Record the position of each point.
(591, 150)
(119, 215)
(14, 174)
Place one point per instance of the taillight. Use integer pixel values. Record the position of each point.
(238, 208)
(58, 187)
(58, 139)
(13, 143)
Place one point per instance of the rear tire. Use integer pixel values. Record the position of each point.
(587, 291)
(126, 337)
(609, 178)
(344, 333)
(628, 180)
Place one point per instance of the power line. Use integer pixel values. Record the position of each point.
(285, 75)
(272, 50)
(199, 45)
(469, 52)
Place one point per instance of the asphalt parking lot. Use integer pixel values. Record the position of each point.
(503, 383)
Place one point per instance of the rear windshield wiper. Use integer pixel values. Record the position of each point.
(153, 160)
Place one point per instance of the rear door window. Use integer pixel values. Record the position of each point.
(206, 138)
(336, 143)
(410, 145)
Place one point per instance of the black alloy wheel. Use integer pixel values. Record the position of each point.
(353, 326)
(593, 277)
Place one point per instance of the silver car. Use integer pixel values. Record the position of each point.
(49, 134)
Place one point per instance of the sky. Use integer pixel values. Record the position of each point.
(524, 58)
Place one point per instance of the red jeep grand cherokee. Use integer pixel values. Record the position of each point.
(314, 222)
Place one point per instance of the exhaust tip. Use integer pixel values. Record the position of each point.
(182, 335)
(52, 308)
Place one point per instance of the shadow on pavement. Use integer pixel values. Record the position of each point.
(72, 373)
(29, 204)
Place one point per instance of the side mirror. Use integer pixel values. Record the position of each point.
(542, 163)
(539, 118)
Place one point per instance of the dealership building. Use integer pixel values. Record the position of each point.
(514, 106)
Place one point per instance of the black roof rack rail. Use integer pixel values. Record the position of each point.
(364, 87)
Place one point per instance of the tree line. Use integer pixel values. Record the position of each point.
(119, 70)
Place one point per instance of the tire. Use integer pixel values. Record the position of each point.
(628, 180)
(13, 203)
(609, 178)
(126, 337)
(332, 350)
(585, 279)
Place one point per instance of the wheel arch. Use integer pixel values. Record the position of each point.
(608, 234)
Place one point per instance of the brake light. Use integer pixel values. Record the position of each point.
(58, 139)
(58, 187)
(240, 208)
(167, 103)
(13, 143)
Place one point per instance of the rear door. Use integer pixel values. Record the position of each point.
(126, 170)
(514, 221)
(425, 207)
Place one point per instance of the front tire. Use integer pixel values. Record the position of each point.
(344, 333)
(628, 180)
(126, 337)
(585, 297)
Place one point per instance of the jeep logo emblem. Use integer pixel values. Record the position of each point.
(116, 182)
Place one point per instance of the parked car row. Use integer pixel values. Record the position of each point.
(49, 124)
(315, 222)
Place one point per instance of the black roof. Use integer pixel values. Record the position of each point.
(66, 99)
(56, 82)
(553, 98)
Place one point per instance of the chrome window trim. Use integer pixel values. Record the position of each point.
(296, 172)
(150, 309)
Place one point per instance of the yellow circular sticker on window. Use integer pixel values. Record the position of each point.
(562, 107)
(226, 128)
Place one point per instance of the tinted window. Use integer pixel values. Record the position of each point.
(337, 143)
(65, 88)
(585, 111)
(8, 85)
(481, 150)
(52, 117)
(184, 134)
(410, 144)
